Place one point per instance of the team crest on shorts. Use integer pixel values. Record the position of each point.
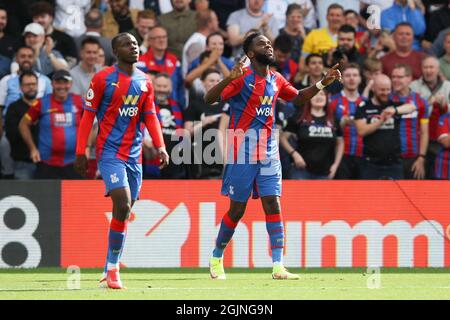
(114, 178)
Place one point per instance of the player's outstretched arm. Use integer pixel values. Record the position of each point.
(213, 94)
(307, 93)
(84, 130)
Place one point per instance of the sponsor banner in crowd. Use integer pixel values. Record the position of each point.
(327, 224)
(30, 223)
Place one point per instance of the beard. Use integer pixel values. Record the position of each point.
(264, 59)
(30, 96)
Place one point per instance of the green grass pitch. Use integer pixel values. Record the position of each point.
(184, 284)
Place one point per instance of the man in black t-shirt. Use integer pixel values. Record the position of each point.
(378, 122)
(24, 168)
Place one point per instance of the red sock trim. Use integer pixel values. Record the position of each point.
(118, 226)
(228, 222)
(276, 217)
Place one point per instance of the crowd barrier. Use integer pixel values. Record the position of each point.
(174, 224)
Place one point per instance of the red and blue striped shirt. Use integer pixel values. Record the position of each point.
(410, 123)
(58, 125)
(252, 100)
(120, 101)
(442, 164)
(342, 106)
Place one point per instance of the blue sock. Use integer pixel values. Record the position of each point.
(116, 242)
(275, 229)
(226, 231)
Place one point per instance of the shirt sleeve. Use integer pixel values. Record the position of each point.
(34, 112)
(287, 90)
(94, 94)
(149, 103)
(232, 89)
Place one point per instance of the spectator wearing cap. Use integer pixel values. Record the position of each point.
(180, 24)
(24, 168)
(58, 117)
(43, 13)
(146, 19)
(83, 72)
(93, 22)
(405, 11)
(404, 52)
(118, 18)
(47, 59)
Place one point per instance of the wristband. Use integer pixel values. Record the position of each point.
(422, 156)
(292, 152)
(319, 85)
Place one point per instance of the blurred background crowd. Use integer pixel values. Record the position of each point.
(49, 51)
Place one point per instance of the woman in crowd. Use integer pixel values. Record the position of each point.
(314, 141)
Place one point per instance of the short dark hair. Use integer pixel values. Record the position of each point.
(249, 40)
(217, 33)
(207, 72)
(283, 43)
(312, 55)
(292, 7)
(116, 39)
(89, 40)
(162, 75)
(349, 11)
(346, 28)
(25, 47)
(27, 73)
(335, 6)
(41, 7)
(403, 24)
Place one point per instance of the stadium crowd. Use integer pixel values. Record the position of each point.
(388, 118)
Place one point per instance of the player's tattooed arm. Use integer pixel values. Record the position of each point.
(213, 94)
(307, 93)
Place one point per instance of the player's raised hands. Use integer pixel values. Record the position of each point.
(332, 74)
(237, 70)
